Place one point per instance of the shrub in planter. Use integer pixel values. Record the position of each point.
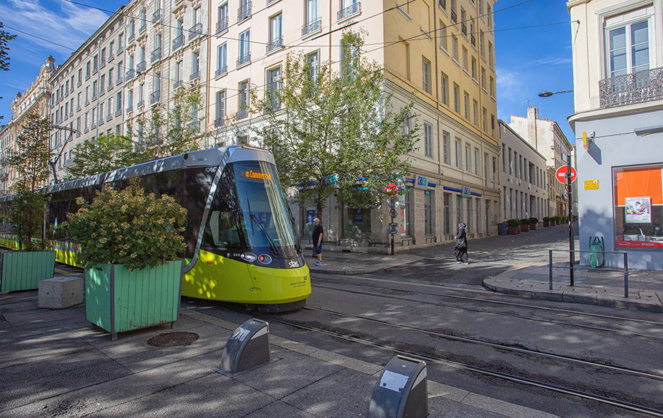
(532, 223)
(546, 221)
(513, 226)
(24, 269)
(524, 225)
(128, 240)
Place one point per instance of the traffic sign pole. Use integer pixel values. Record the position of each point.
(569, 179)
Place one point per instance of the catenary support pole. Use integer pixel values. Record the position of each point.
(571, 240)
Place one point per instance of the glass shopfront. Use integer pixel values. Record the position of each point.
(638, 207)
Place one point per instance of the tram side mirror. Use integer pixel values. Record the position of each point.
(248, 347)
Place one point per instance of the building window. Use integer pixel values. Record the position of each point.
(243, 100)
(313, 63)
(447, 214)
(474, 69)
(466, 103)
(475, 108)
(405, 213)
(465, 64)
(428, 212)
(425, 75)
(468, 157)
(195, 65)
(485, 120)
(459, 154)
(477, 162)
(222, 22)
(446, 143)
(456, 98)
(627, 45)
(443, 36)
(444, 83)
(244, 48)
(220, 111)
(275, 34)
(356, 222)
(273, 90)
(454, 48)
(222, 60)
(313, 22)
(428, 139)
(349, 58)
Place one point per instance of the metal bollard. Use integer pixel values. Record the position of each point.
(246, 348)
(401, 391)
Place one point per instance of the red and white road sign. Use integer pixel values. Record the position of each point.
(391, 189)
(560, 174)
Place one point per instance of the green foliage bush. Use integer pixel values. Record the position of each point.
(27, 213)
(524, 221)
(533, 220)
(513, 222)
(129, 228)
(546, 219)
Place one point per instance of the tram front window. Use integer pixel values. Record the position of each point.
(248, 211)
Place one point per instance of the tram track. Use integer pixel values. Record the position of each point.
(426, 355)
(547, 310)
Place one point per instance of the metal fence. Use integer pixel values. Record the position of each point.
(577, 266)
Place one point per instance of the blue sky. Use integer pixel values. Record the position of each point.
(529, 59)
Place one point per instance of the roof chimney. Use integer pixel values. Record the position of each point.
(532, 115)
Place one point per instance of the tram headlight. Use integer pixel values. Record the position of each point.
(250, 257)
(265, 258)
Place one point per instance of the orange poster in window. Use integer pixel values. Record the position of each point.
(639, 182)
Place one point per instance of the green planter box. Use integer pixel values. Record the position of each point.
(23, 270)
(118, 300)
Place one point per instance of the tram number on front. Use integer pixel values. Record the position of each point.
(234, 255)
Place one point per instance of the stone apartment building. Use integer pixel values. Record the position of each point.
(618, 109)
(548, 139)
(523, 177)
(439, 54)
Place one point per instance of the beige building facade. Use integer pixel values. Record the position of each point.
(438, 54)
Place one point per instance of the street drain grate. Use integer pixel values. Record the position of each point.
(173, 339)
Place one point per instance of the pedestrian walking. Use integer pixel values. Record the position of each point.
(317, 240)
(460, 249)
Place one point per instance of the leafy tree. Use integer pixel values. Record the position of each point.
(31, 165)
(5, 37)
(105, 153)
(335, 134)
(33, 153)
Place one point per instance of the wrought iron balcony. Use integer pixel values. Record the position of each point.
(87, 102)
(349, 11)
(120, 48)
(141, 103)
(101, 90)
(131, 38)
(275, 45)
(78, 108)
(463, 28)
(244, 11)
(110, 85)
(623, 90)
(243, 60)
(156, 54)
(109, 117)
(86, 130)
(130, 74)
(118, 112)
(194, 75)
(111, 57)
(94, 96)
(195, 31)
(141, 67)
(142, 28)
(473, 39)
(79, 83)
(312, 27)
(102, 64)
(118, 81)
(178, 42)
(177, 84)
(156, 16)
(222, 24)
(454, 16)
(155, 97)
(219, 121)
(130, 109)
(94, 70)
(221, 71)
(443, 4)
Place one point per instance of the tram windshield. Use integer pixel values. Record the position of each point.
(249, 212)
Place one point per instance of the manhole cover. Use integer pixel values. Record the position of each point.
(173, 339)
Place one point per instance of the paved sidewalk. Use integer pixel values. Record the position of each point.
(52, 363)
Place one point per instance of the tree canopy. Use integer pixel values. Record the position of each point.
(5, 37)
(30, 161)
(335, 133)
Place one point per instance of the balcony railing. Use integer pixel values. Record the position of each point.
(118, 81)
(243, 60)
(79, 83)
(194, 75)
(87, 102)
(155, 97)
(130, 74)
(177, 84)
(195, 31)
(142, 28)
(275, 45)
(178, 42)
(78, 108)
(463, 28)
(454, 16)
(473, 39)
(109, 117)
(244, 11)
(131, 38)
(120, 48)
(94, 96)
(623, 90)
(141, 67)
(111, 57)
(110, 85)
(156, 54)
(118, 112)
(221, 71)
(141, 103)
(222, 24)
(220, 121)
(351, 10)
(130, 109)
(102, 64)
(312, 27)
(156, 16)
(443, 4)
(101, 90)
(242, 113)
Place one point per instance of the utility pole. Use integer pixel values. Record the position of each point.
(52, 162)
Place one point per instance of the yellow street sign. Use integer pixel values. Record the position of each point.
(591, 184)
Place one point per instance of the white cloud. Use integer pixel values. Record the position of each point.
(555, 61)
(68, 25)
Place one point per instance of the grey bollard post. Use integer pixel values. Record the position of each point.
(246, 348)
(401, 391)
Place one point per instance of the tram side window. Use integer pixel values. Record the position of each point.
(222, 231)
(223, 228)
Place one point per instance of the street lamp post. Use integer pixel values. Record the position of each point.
(53, 162)
(550, 93)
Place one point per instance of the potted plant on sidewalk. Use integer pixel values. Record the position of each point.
(546, 221)
(532, 223)
(524, 225)
(25, 268)
(130, 242)
(513, 226)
